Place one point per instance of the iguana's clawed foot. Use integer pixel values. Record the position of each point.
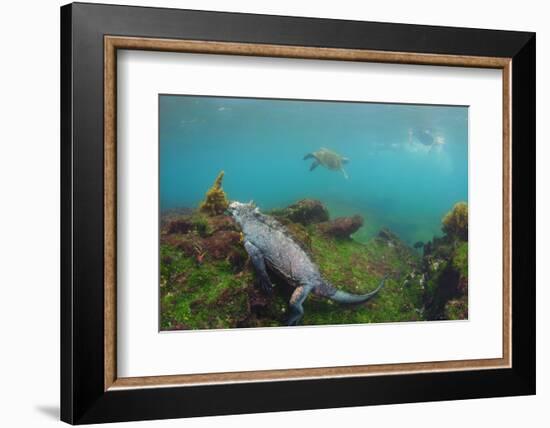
(293, 320)
(296, 314)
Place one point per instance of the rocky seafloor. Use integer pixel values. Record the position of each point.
(208, 282)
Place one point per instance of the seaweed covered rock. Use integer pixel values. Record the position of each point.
(457, 309)
(172, 214)
(446, 268)
(215, 202)
(357, 268)
(305, 212)
(341, 227)
(196, 223)
(204, 237)
(180, 225)
(221, 244)
(223, 222)
(441, 288)
(455, 222)
(208, 281)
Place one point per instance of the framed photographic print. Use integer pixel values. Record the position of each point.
(266, 213)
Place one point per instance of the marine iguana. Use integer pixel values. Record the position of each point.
(270, 246)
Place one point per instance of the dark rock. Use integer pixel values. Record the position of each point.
(305, 212)
(446, 271)
(258, 301)
(341, 227)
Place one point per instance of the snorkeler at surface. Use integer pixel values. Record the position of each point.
(426, 137)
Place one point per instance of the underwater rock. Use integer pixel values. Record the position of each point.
(179, 225)
(455, 222)
(305, 212)
(237, 257)
(387, 236)
(441, 288)
(223, 222)
(199, 236)
(446, 270)
(201, 224)
(456, 309)
(221, 243)
(215, 202)
(189, 246)
(184, 224)
(207, 280)
(258, 301)
(341, 227)
(169, 215)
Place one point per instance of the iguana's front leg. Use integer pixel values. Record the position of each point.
(258, 262)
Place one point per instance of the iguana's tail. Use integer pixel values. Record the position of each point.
(348, 298)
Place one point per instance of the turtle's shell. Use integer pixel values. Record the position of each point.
(329, 159)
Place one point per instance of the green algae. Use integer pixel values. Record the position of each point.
(212, 294)
(446, 267)
(455, 222)
(195, 296)
(207, 282)
(358, 268)
(460, 259)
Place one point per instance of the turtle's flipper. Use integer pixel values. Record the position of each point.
(314, 165)
(308, 156)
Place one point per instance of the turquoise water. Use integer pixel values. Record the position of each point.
(408, 163)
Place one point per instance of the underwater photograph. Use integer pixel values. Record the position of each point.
(283, 212)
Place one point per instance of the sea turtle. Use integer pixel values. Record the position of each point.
(328, 159)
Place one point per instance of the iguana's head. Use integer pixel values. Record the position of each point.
(240, 211)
